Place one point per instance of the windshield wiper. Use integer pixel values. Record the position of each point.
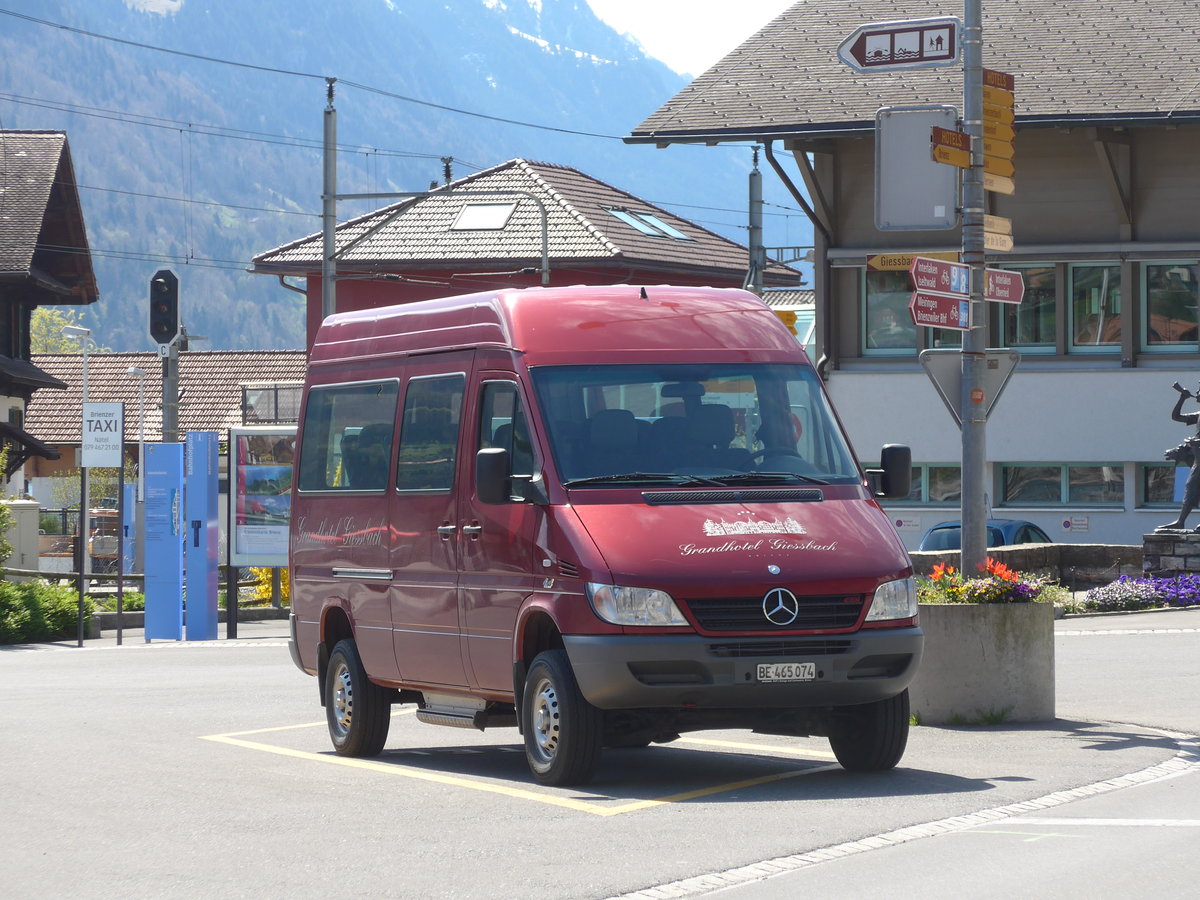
(751, 477)
(643, 478)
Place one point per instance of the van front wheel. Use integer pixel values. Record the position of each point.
(563, 732)
(357, 710)
(872, 736)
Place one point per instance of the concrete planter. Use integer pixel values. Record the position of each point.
(985, 663)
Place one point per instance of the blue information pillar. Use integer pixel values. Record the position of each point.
(129, 528)
(202, 535)
(164, 542)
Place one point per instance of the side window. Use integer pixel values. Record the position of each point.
(503, 423)
(347, 440)
(429, 433)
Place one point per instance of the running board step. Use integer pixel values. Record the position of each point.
(479, 720)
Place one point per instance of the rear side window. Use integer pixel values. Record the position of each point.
(347, 440)
(429, 433)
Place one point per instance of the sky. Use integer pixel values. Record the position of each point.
(689, 35)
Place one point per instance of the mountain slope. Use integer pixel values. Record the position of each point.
(197, 165)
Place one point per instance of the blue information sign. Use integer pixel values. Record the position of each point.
(202, 534)
(164, 542)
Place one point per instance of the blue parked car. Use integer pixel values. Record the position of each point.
(1000, 533)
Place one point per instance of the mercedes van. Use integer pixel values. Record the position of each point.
(603, 515)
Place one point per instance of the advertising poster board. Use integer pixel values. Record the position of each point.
(164, 542)
(260, 484)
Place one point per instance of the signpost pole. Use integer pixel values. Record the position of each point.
(972, 402)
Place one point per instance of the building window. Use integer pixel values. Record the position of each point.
(1095, 307)
(1029, 324)
(932, 485)
(1171, 296)
(1055, 485)
(649, 223)
(888, 328)
(483, 216)
(1157, 483)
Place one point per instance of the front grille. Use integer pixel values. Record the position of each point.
(780, 649)
(746, 613)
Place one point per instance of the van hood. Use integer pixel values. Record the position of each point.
(835, 545)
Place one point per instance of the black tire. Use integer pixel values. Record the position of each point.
(563, 732)
(870, 737)
(358, 711)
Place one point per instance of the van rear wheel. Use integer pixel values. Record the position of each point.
(870, 737)
(358, 711)
(563, 732)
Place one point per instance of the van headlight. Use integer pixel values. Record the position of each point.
(619, 605)
(894, 600)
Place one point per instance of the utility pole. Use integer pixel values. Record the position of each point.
(329, 206)
(758, 253)
(972, 410)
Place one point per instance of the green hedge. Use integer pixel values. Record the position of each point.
(37, 611)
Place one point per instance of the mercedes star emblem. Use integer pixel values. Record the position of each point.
(780, 606)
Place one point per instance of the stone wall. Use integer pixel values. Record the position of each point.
(1077, 566)
(1171, 553)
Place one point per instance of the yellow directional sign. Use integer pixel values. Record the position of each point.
(1003, 80)
(998, 149)
(951, 156)
(997, 166)
(998, 183)
(997, 224)
(902, 262)
(995, 96)
(999, 114)
(1000, 243)
(998, 131)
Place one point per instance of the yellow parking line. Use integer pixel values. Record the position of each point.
(236, 739)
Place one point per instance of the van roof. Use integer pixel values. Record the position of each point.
(562, 324)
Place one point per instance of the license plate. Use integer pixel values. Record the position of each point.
(802, 671)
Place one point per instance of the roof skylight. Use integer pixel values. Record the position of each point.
(649, 223)
(483, 216)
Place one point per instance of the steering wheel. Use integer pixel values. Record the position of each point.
(795, 463)
(759, 455)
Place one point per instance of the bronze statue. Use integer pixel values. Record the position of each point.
(1188, 454)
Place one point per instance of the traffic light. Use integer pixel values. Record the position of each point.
(164, 306)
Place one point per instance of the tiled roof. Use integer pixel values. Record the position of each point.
(789, 298)
(1095, 61)
(580, 228)
(42, 237)
(211, 383)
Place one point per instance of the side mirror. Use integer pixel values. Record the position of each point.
(893, 479)
(491, 475)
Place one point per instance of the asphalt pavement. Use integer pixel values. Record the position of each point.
(1103, 802)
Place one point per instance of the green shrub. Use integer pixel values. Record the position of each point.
(131, 602)
(38, 611)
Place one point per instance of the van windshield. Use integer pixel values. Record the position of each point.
(734, 423)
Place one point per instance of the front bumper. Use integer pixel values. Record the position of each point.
(692, 671)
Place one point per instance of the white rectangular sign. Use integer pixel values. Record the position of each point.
(103, 435)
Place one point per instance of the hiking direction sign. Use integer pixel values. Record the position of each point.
(910, 44)
(942, 298)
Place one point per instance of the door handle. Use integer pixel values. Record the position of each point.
(446, 531)
(473, 531)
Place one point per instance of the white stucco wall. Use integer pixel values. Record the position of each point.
(1044, 415)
